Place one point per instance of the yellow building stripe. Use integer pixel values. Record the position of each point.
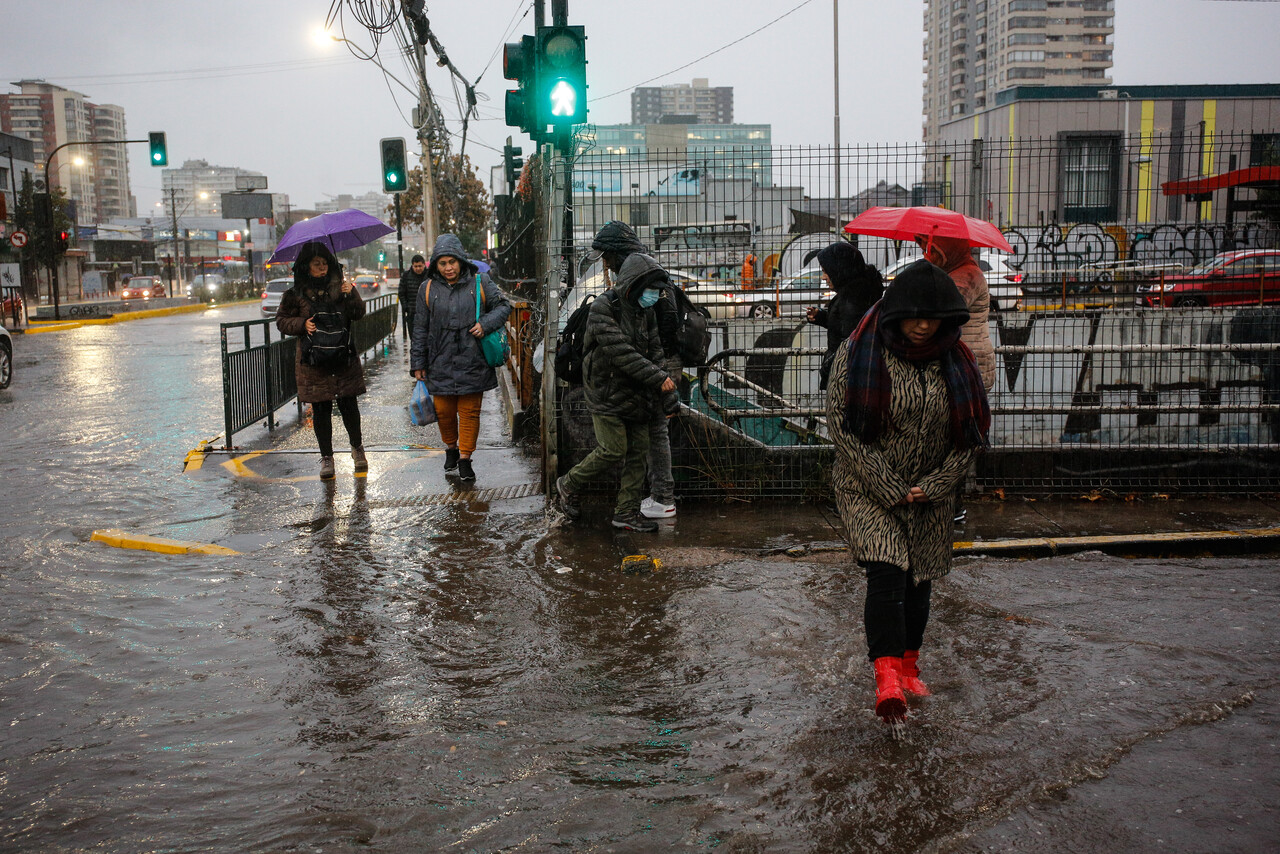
(1013, 127)
(1147, 128)
(124, 540)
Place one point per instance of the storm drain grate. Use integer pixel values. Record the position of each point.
(497, 493)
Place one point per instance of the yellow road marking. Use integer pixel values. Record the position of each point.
(124, 540)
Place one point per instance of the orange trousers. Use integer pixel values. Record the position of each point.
(459, 420)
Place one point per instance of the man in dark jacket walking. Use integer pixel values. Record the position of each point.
(625, 387)
(613, 244)
(410, 281)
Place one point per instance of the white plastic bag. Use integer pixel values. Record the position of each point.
(422, 409)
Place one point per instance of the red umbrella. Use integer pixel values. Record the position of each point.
(906, 223)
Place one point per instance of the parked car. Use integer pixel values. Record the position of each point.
(272, 295)
(788, 298)
(1243, 277)
(6, 358)
(1004, 283)
(11, 307)
(367, 284)
(143, 287)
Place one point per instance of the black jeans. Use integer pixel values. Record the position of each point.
(896, 610)
(322, 418)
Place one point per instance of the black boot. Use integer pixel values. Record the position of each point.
(451, 461)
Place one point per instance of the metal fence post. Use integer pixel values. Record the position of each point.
(555, 254)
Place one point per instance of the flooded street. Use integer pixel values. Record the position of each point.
(372, 673)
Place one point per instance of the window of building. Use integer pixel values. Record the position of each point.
(1026, 56)
(1027, 23)
(1089, 177)
(1025, 73)
(1026, 38)
(1027, 5)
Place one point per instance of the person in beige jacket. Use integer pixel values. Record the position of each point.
(955, 257)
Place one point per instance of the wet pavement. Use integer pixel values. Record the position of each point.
(402, 662)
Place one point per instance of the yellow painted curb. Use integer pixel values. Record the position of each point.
(61, 325)
(1056, 545)
(124, 540)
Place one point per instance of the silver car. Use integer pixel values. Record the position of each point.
(272, 295)
(6, 358)
(1004, 283)
(788, 298)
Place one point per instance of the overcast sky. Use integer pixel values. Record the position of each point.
(246, 83)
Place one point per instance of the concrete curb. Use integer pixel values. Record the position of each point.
(1249, 539)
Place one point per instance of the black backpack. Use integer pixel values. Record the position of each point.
(329, 347)
(569, 355)
(693, 337)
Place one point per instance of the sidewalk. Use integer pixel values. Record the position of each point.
(406, 470)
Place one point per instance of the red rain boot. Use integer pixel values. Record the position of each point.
(891, 705)
(911, 682)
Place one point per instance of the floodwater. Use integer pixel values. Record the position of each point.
(460, 677)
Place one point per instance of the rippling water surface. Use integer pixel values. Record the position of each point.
(459, 678)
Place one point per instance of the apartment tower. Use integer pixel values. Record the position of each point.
(975, 48)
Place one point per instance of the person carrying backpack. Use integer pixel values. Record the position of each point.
(319, 309)
(410, 282)
(625, 387)
(456, 306)
(614, 244)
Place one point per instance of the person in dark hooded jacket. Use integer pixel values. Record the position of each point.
(858, 287)
(625, 386)
(909, 414)
(410, 282)
(613, 244)
(448, 326)
(319, 287)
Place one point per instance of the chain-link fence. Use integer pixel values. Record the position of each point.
(1133, 353)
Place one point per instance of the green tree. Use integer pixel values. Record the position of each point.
(463, 206)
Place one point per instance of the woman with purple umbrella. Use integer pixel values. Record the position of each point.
(319, 309)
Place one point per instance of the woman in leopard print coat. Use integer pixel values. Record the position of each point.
(909, 413)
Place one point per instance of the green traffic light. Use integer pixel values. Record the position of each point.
(564, 99)
(393, 178)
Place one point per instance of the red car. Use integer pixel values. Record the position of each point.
(1243, 277)
(143, 287)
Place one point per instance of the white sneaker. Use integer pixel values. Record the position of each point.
(651, 509)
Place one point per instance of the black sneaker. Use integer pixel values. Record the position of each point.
(568, 500)
(451, 461)
(633, 521)
(465, 471)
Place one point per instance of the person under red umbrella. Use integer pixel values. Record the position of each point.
(954, 256)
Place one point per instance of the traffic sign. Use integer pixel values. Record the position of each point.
(18, 239)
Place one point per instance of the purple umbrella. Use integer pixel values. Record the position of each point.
(338, 230)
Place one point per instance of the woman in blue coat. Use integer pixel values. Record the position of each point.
(447, 328)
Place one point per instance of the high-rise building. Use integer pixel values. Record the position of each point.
(975, 48)
(95, 177)
(711, 105)
(196, 187)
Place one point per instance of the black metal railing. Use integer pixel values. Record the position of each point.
(258, 372)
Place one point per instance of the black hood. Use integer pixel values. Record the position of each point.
(617, 236)
(923, 290)
(638, 272)
(845, 266)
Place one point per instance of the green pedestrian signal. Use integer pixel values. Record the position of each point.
(562, 76)
(395, 178)
(159, 149)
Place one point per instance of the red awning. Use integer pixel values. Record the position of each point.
(1254, 176)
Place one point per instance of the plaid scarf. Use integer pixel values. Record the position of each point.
(868, 393)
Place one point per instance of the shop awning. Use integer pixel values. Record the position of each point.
(1254, 176)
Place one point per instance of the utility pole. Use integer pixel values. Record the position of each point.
(835, 30)
(173, 212)
(426, 128)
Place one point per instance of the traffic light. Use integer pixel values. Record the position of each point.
(395, 179)
(159, 149)
(61, 242)
(561, 89)
(518, 63)
(512, 163)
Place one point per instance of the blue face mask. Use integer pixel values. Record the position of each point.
(649, 298)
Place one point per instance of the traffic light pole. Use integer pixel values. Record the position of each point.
(53, 255)
(399, 238)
